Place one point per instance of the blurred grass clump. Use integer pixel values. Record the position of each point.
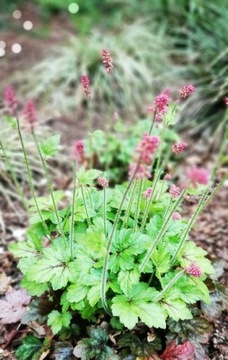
(155, 43)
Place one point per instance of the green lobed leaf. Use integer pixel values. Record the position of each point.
(58, 320)
(87, 177)
(30, 346)
(192, 253)
(49, 147)
(176, 309)
(127, 279)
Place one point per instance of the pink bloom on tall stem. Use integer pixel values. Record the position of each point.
(147, 147)
(107, 60)
(178, 148)
(193, 270)
(103, 182)
(167, 177)
(10, 99)
(29, 113)
(86, 85)
(174, 191)
(226, 100)
(198, 176)
(176, 216)
(142, 171)
(78, 151)
(186, 90)
(159, 106)
(147, 193)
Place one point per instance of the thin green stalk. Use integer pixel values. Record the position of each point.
(30, 177)
(128, 211)
(104, 210)
(105, 267)
(72, 212)
(169, 285)
(157, 176)
(201, 204)
(161, 147)
(162, 232)
(137, 205)
(212, 195)
(86, 210)
(14, 177)
(50, 187)
(89, 196)
(152, 125)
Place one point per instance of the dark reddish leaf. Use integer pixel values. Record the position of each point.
(185, 351)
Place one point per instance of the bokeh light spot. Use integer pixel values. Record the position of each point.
(28, 25)
(16, 14)
(16, 48)
(2, 44)
(73, 8)
(2, 52)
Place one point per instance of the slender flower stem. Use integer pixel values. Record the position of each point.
(162, 232)
(201, 204)
(161, 146)
(157, 176)
(169, 285)
(86, 210)
(30, 178)
(72, 212)
(152, 125)
(138, 204)
(128, 211)
(104, 211)
(105, 267)
(211, 196)
(50, 187)
(14, 177)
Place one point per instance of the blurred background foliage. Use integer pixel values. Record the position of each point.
(155, 43)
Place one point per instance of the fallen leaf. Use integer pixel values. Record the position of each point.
(185, 351)
(13, 307)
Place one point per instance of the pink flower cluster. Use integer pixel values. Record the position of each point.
(178, 148)
(103, 182)
(159, 106)
(167, 177)
(198, 176)
(78, 151)
(10, 99)
(187, 90)
(176, 216)
(145, 150)
(174, 191)
(107, 60)
(147, 147)
(86, 85)
(147, 193)
(29, 113)
(226, 100)
(193, 270)
(139, 171)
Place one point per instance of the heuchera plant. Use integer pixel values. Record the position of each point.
(121, 252)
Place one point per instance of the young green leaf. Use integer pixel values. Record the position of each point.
(58, 320)
(176, 308)
(192, 253)
(30, 346)
(49, 147)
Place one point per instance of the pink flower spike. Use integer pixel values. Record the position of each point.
(107, 60)
(142, 172)
(174, 191)
(226, 100)
(103, 182)
(29, 113)
(159, 106)
(10, 99)
(193, 270)
(147, 147)
(167, 177)
(78, 151)
(176, 216)
(187, 90)
(178, 148)
(147, 193)
(86, 85)
(198, 176)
